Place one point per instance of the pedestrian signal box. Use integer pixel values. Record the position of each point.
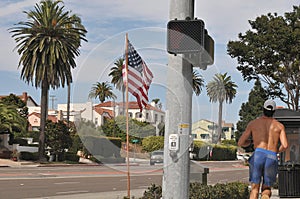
(185, 36)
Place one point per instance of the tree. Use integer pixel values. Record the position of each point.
(48, 44)
(102, 91)
(58, 137)
(198, 82)
(270, 51)
(10, 119)
(117, 78)
(221, 89)
(15, 100)
(156, 100)
(117, 128)
(252, 108)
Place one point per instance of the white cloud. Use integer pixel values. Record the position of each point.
(16, 7)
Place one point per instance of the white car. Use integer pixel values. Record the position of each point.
(243, 157)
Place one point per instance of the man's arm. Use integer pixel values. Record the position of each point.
(244, 141)
(283, 140)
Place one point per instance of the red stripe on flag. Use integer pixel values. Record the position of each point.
(139, 77)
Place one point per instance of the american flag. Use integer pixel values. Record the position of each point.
(139, 76)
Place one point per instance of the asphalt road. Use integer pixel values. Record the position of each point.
(44, 182)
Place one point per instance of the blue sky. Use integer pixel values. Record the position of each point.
(107, 22)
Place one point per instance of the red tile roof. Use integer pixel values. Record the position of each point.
(24, 97)
(103, 110)
(131, 105)
(50, 117)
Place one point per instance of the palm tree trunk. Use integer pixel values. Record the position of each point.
(44, 115)
(68, 104)
(220, 121)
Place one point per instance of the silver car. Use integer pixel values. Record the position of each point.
(156, 157)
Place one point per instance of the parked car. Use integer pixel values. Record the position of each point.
(243, 157)
(156, 157)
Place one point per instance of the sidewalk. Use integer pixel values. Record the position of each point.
(138, 193)
(11, 163)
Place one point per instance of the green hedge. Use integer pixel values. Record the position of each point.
(217, 152)
(70, 156)
(223, 152)
(20, 141)
(103, 146)
(153, 143)
(28, 156)
(233, 190)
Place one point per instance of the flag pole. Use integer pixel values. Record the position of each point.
(127, 118)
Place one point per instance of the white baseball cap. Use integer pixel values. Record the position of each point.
(270, 105)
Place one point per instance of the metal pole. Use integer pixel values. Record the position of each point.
(127, 121)
(178, 114)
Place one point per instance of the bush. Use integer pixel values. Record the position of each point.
(28, 156)
(20, 141)
(69, 156)
(201, 150)
(153, 192)
(233, 190)
(223, 152)
(229, 142)
(153, 143)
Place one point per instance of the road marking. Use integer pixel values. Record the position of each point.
(71, 192)
(66, 183)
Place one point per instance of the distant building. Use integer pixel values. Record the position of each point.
(29, 101)
(106, 110)
(25, 98)
(204, 130)
(34, 120)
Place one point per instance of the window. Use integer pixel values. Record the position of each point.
(204, 136)
(212, 127)
(225, 129)
(147, 116)
(162, 118)
(155, 118)
(130, 114)
(96, 121)
(138, 115)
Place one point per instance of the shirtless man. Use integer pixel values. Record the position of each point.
(266, 132)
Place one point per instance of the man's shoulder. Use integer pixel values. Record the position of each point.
(278, 123)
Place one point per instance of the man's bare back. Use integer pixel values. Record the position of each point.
(266, 133)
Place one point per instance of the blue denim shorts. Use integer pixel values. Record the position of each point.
(263, 164)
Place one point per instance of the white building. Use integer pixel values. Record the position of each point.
(204, 130)
(98, 113)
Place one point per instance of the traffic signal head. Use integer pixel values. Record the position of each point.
(185, 36)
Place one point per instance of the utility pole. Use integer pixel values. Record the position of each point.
(52, 98)
(178, 115)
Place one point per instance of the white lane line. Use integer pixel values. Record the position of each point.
(59, 183)
(71, 192)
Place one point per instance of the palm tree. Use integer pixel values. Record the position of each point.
(48, 43)
(198, 82)
(11, 120)
(102, 91)
(117, 78)
(221, 89)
